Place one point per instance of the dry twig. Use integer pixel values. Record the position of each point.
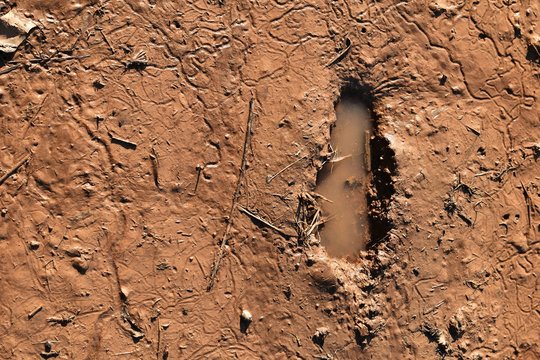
(341, 55)
(15, 168)
(269, 178)
(265, 222)
(223, 242)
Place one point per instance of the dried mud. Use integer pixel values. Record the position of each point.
(158, 172)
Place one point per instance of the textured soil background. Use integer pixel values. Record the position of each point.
(108, 247)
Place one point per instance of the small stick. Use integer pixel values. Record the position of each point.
(200, 266)
(126, 353)
(14, 169)
(465, 218)
(341, 55)
(483, 173)
(107, 41)
(265, 222)
(61, 320)
(19, 63)
(367, 150)
(31, 122)
(10, 69)
(474, 131)
(269, 178)
(59, 59)
(499, 176)
(436, 286)
(155, 165)
(314, 223)
(55, 59)
(199, 169)
(419, 292)
(433, 308)
(241, 174)
(34, 312)
(158, 339)
(341, 158)
(527, 203)
(322, 197)
(296, 338)
(122, 142)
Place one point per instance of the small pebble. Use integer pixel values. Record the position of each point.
(246, 316)
(320, 335)
(80, 265)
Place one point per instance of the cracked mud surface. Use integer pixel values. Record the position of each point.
(123, 124)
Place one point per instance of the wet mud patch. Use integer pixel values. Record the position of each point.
(356, 179)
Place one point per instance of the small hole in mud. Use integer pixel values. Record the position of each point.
(442, 79)
(356, 180)
(481, 151)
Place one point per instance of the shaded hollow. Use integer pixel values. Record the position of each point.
(356, 180)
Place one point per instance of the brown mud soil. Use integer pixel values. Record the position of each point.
(158, 176)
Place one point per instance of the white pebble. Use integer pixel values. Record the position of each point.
(246, 316)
